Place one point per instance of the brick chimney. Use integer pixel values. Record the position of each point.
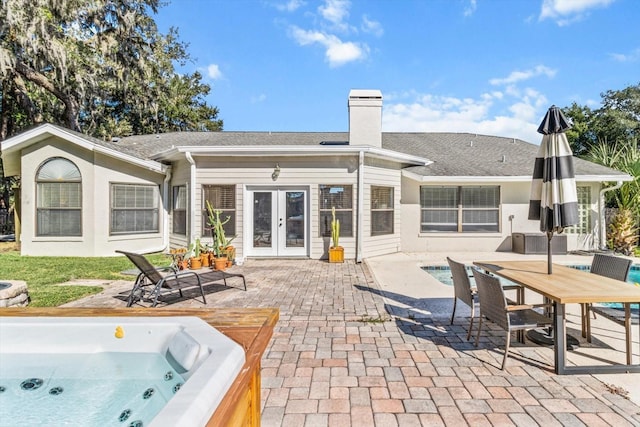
(365, 117)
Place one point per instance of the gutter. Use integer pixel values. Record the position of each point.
(602, 219)
(192, 196)
(166, 189)
(360, 207)
(293, 150)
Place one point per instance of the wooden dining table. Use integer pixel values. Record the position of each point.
(566, 285)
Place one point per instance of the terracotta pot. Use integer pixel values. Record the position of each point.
(230, 251)
(220, 263)
(195, 263)
(204, 259)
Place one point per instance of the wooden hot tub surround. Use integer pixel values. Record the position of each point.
(250, 327)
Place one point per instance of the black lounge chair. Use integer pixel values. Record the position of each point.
(153, 281)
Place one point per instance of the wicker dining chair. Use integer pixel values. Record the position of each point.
(495, 308)
(617, 268)
(462, 290)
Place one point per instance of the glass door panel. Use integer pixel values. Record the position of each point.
(262, 219)
(294, 206)
(278, 222)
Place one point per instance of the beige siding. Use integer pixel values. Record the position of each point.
(180, 175)
(294, 172)
(385, 175)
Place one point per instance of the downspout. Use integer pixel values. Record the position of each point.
(192, 196)
(165, 216)
(360, 207)
(603, 220)
(167, 203)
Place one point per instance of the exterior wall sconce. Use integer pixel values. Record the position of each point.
(276, 172)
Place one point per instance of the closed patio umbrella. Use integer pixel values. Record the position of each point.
(554, 198)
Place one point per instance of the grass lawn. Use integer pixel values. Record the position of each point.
(44, 274)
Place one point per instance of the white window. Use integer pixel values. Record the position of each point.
(58, 199)
(341, 198)
(460, 209)
(381, 210)
(180, 209)
(584, 212)
(222, 197)
(134, 209)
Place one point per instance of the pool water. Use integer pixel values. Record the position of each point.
(101, 389)
(443, 275)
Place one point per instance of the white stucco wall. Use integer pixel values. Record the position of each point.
(97, 171)
(514, 213)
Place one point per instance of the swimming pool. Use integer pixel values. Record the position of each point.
(443, 274)
(120, 371)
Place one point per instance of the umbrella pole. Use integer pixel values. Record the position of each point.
(549, 237)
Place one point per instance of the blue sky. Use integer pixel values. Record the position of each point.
(481, 66)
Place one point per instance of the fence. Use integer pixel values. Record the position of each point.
(7, 225)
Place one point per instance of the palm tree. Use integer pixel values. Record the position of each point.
(622, 233)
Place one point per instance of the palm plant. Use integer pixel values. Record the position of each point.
(622, 233)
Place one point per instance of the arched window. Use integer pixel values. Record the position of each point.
(59, 199)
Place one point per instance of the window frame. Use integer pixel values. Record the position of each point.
(584, 212)
(378, 211)
(344, 210)
(460, 209)
(154, 210)
(41, 182)
(230, 228)
(175, 195)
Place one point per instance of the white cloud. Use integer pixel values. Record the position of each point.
(471, 8)
(632, 56)
(516, 117)
(371, 27)
(337, 52)
(258, 99)
(332, 26)
(213, 71)
(565, 12)
(518, 76)
(335, 11)
(290, 6)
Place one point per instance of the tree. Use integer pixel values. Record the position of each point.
(100, 67)
(616, 122)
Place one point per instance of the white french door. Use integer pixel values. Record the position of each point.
(278, 221)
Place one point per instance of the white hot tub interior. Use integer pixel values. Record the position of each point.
(206, 361)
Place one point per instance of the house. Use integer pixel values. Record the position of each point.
(412, 192)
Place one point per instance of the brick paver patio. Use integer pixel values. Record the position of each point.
(338, 358)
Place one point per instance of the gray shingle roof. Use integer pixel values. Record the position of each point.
(466, 154)
(453, 154)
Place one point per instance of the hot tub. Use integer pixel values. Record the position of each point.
(171, 371)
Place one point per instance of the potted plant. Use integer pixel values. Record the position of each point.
(221, 247)
(205, 258)
(194, 260)
(336, 252)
